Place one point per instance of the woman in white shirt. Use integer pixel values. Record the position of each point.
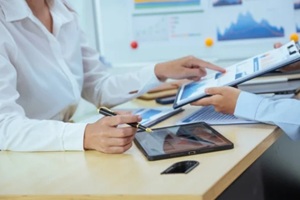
(46, 66)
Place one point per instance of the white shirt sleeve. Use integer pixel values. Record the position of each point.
(19, 133)
(104, 89)
(284, 113)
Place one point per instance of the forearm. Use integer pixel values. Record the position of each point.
(284, 113)
(21, 134)
(110, 90)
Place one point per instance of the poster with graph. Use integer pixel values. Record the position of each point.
(297, 14)
(226, 2)
(255, 20)
(145, 31)
(146, 4)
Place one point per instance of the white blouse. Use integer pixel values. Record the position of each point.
(44, 75)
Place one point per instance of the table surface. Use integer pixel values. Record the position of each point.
(91, 174)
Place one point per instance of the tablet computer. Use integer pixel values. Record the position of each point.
(239, 73)
(180, 140)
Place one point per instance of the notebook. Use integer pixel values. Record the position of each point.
(210, 116)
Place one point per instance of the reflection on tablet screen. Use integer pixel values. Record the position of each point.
(177, 139)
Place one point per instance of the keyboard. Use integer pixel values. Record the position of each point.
(209, 115)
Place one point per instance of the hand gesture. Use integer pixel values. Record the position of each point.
(188, 67)
(222, 98)
(110, 134)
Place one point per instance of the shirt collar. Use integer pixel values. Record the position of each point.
(15, 10)
(62, 10)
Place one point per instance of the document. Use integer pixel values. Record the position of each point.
(150, 116)
(208, 114)
(239, 73)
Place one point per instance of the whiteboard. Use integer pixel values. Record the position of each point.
(168, 29)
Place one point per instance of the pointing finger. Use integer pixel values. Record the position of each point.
(214, 90)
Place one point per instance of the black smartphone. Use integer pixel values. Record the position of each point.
(182, 167)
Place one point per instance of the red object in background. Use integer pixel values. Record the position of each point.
(134, 45)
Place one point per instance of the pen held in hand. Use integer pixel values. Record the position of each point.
(107, 112)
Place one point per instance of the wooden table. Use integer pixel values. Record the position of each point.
(94, 175)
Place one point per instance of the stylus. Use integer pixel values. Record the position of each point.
(107, 112)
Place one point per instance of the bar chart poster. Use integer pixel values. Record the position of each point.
(166, 21)
(146, 4)
(226, 2)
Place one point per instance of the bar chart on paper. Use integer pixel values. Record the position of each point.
(144, 4)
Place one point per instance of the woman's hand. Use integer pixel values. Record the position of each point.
(222, 98)
(107, 136)
(188, 67)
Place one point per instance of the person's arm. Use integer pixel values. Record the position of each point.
(284, 113)
(105, 89)
(18, 132)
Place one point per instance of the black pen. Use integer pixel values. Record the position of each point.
(107, 112)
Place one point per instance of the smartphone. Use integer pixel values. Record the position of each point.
(182, 167)
(166, 100)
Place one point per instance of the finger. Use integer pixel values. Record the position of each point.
(211, 66)
(277, 45)
(123, 119)
(215, 67)
(122, 132)
(195, 73)
(197, 78)
(203, 102)
(214, 90)
(123, 112)
(116, 149)
(119, 142)
(201, 63)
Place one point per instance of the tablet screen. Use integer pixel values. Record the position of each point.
(238, 73)
(181, 140)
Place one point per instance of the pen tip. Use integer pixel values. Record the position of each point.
(149, 130)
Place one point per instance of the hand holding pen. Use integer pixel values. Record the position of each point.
(105, 135)
(107, 112)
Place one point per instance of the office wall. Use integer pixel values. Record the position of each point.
(168, 29)
(85, 10)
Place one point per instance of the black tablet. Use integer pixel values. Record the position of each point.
(239, 73)
(181, 140)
